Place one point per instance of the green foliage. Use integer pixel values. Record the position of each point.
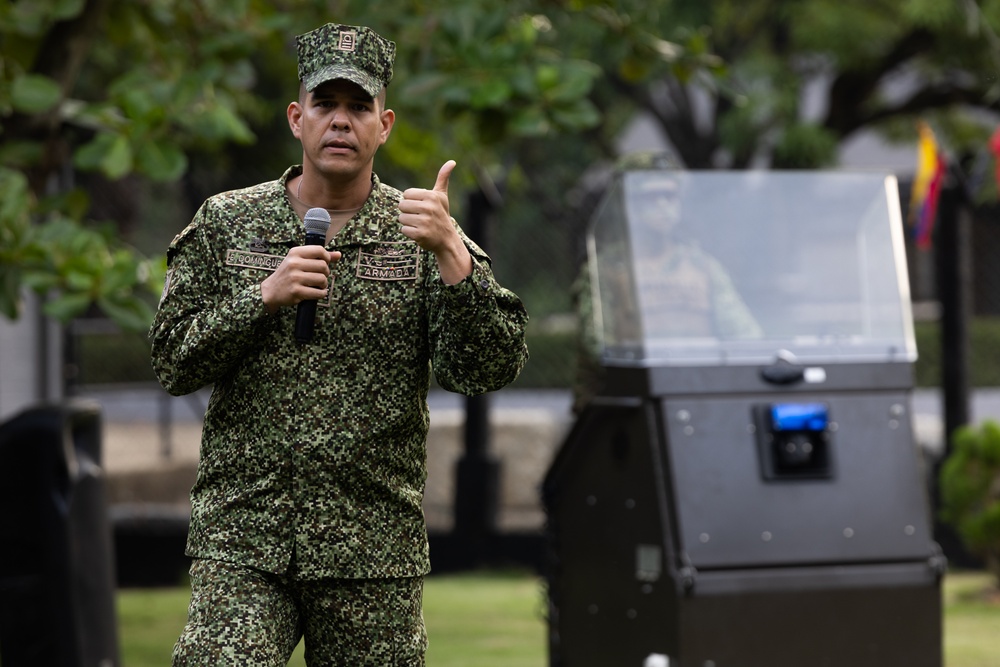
(525, 94)
(143, 83)
(970, 490)
(33, 93)
(14, 238)
(797, 78)
(805, 146)
(480, 77)
(76, 265)
(147, 85)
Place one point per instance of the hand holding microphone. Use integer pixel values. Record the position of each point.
(317, 221)
(302, 276)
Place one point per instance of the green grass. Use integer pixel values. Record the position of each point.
(495, 619)
(473, 620)
(971, 621)
(485, 620)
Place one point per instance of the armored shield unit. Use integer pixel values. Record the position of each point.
(743, 489)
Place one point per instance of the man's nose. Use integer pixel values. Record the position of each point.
(340, 119)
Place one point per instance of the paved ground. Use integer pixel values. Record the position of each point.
(147, 463)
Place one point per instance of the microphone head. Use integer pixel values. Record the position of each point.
(317, 221)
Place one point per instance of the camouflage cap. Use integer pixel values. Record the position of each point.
(355, 53)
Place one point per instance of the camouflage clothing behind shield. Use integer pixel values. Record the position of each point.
(318, 450)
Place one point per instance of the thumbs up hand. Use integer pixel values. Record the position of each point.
(424, 216)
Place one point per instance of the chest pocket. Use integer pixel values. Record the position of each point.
(378, 287)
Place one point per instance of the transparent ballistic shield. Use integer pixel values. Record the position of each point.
(731, 268)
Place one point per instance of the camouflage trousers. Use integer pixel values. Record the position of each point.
(241, 616)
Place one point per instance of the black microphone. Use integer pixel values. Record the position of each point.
(317, 221)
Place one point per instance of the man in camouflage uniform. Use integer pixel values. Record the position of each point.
(306, 514)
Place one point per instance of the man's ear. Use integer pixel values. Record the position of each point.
(388, 118)
(294, 113)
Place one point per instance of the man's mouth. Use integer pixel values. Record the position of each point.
(339, 145)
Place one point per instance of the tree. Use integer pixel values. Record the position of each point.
(118, 88)
(115, 88)
(970, 492)
(803, 76)
(121, 88)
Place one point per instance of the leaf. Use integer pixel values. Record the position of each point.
(547, 77)
(139, 103)
(523, 83)
(161, 161)
(34, 93)
(117, 162)
(221, 122)
(578, 116)
(423, 84)
(41, 281)
(131, 314)
(576, 81)
(108, 152)
(490, 94)
(66, 306)
(455, 93)
(634, 69)
(79, 281)
(10, 292)
(89, 156)
(66, 9)
(153, 272)
(15, 197)
(531, 122)
(20, 153)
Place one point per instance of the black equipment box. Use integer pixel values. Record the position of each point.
(744, 489)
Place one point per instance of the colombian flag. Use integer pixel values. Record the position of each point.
(926, 187)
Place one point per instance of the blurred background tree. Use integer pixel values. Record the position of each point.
(132, 112)
(801, 77)
(970, 492)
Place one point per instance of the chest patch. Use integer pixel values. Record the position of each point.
(253, 260)
(389, 261)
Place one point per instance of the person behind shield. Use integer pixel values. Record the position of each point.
(684, 292)
(306, 516)
(665, 289)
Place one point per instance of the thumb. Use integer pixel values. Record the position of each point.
(441, 185)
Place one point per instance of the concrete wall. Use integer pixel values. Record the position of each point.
(31, 353)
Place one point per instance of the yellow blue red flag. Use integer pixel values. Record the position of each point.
(926, 187)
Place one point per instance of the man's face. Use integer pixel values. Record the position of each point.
(658, 205)
(340, 127)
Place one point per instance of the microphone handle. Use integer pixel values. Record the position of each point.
(305, 314)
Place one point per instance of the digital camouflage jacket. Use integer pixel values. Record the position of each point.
(319, 449)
